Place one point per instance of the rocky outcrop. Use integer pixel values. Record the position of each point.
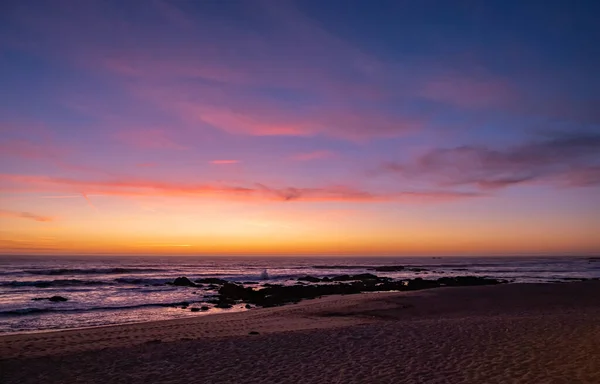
(183, 282)
(275, 295)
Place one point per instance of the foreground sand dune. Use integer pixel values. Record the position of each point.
(520, 333)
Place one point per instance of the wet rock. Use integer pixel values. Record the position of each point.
(183, 282)
(310, 279)
(54, 299)
(235, 292)
(361, 276)
(419, 283)
(275, 295)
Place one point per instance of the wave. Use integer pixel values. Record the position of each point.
(35, 311)
(54, 283)
(134, 281)
(90, 271)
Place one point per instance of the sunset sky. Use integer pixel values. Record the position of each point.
(300, 127)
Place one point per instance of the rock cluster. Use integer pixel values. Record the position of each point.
(275, 295)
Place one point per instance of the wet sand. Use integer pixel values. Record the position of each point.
(517, 333)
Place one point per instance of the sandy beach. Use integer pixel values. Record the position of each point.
(517, 333)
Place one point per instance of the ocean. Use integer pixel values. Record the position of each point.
(115, 290)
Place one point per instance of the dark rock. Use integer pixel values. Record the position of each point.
(419, 283)
(211, 280)
(204, 308)
(250, 282)
(341, 278)
(362, 277)
(310, 279)
(248, 306)
(235, 291)
(54, 299)
(183, 282)
(253, 333)
(195, 309)
(275, 295)
(223, 305)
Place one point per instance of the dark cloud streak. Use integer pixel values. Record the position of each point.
(566, 159)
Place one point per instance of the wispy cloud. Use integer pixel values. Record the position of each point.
(313, 155)
(249, 191)
(148, 139)
(470, 92)
(26, 215)
(566, 159)
(26, 149)
(224, 162)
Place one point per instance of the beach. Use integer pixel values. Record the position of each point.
(518, 333)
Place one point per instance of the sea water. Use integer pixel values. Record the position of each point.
(115, 290)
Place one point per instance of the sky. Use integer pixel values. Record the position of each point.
(300, 127)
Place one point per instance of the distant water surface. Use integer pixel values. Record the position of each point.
(115, 290)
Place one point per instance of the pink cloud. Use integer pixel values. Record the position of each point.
(148, 139)
(251, 191)
(29, 150)
(240, 113)
(25, 215)
(224, 162)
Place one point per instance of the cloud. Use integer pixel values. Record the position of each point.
(234, 85)
(250, 191)
(148, 139)
(224, 162)
(567, 159)
(313, 155)
(26, 149)
(469, 92)
(26, 215)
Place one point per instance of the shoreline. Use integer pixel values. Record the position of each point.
(515, 332)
